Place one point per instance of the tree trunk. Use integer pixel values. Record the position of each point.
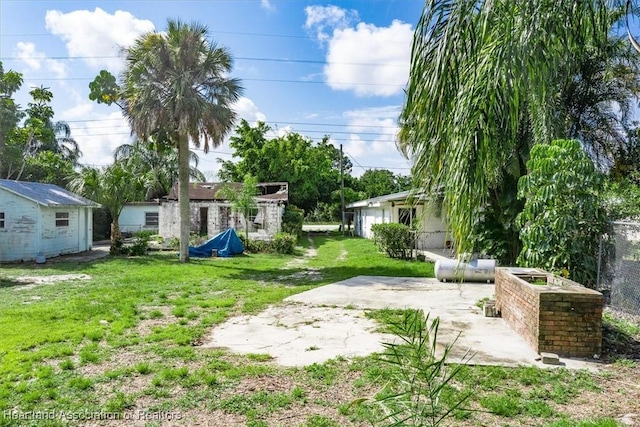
(116, 237)
(183, 196)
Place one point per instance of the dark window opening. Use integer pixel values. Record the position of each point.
(151, 219)
(1, 219)
(62, 219)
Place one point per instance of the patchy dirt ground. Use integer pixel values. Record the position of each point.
(33, 281)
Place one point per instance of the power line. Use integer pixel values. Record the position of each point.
(44, 79)
(241, 58)
(275, 122)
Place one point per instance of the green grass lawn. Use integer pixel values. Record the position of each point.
(127, 340)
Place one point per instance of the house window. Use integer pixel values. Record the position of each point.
(151, 219)
(62, 219)
(406, 216)
(1, 220)
(256, 217)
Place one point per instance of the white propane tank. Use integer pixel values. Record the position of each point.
(477, 270)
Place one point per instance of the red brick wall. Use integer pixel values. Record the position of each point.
(564, 318)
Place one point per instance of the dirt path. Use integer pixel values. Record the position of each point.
(299, 262)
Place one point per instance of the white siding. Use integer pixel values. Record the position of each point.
(433, 233)
(19, 237)
(31, 228)
(132, 218)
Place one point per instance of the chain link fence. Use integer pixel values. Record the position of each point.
(619, 267)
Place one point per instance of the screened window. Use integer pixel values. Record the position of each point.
(1, 219)
(62, 219)
(151, 219)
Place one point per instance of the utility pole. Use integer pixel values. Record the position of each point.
(341, 191)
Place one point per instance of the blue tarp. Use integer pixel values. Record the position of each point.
(226, 243)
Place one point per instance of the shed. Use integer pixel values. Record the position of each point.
(42, 219)
(407, 208)
(211, 213)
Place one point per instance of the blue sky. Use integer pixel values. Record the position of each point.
(312, 67)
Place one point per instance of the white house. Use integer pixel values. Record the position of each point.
(211, 213)
(404, 208)
(139, 216)
(42, 219)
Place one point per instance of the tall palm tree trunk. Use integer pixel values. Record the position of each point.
(116, 236)
(183, 196)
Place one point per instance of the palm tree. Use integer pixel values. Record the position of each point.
(485, 85)
(157, 163)
(112, 186)
(177, 82)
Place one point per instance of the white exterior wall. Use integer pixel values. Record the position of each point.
(19, 237)
(31, 228)
(132, 218)
(434, 229)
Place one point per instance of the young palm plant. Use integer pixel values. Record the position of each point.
(422, 376)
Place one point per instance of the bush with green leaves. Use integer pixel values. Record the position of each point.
(292, 219)
(396, 240)
(283, 243)
(563, 214)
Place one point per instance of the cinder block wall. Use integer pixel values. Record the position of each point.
(563, 318)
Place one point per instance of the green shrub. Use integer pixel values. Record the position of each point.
(563, 214)
(283, 243)
(397, 240)
(292, 219)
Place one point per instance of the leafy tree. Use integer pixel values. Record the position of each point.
(563, 216)
(622, 200)
(312, 170)
(177, 82)
(243, 201)
(485, 85)
(10, 114)
(378, 182)
(597, 104)
(157, 162)
(40, 150)
(112, 186)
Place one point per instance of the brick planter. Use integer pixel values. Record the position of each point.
(553, 314)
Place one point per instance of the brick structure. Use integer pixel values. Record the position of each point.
(561, 317)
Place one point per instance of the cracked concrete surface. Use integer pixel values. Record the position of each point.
(328, 321)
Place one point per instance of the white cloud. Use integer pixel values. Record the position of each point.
(36, 60)
(322, 19)
(97, 35)
(99, 136)
(369, 60)
(246, 109)
(366, 59)
(266, 4)
(379, 150)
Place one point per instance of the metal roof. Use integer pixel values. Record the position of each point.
(267, 191)
(45, 194)
(395, 197)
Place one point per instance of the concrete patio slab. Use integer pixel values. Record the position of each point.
(329, 321)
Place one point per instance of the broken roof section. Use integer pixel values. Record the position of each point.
(267, 191)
